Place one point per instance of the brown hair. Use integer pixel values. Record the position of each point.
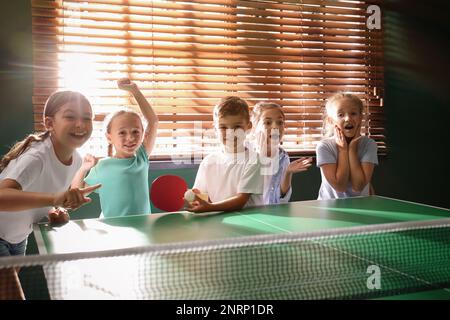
(52, 105)
(327, 129)
(110, 117)
(231, 106)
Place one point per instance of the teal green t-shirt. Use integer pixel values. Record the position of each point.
(124, 189)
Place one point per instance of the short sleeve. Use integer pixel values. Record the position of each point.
(200, 178)
(25, 170)
(252, 181)
(369, 152)
(325, 154)
(78, 161)
(142, 154)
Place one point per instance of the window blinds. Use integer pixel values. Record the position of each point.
(186, 55)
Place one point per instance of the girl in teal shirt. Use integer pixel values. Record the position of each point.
(123, 175)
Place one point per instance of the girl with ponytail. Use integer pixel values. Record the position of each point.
(35, 174)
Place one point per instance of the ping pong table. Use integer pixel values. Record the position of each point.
(178, 232)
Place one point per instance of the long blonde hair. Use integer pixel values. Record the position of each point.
(331, 103)
(52, 105)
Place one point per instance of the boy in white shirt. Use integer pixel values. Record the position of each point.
(232, 176)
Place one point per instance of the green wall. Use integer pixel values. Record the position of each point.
(417, 100)
(16, 118)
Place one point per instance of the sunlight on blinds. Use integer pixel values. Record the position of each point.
(186, 55)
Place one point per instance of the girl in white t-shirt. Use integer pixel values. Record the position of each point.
(35, 175)
(36, 172)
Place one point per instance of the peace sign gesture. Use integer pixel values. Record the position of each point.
(74, 197)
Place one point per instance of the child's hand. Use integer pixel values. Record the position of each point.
(74, 198)
(127, 85)
(88, 162)
(299, 165)
(355, 140)
(198, 205)
(261, 141)
(340, 138)
(354, 143)
(58, 216)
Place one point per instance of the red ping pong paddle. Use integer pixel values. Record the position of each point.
(167, 193)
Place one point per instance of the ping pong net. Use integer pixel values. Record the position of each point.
(351, 263)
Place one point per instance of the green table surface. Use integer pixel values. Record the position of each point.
(181, 227)
(294, 217)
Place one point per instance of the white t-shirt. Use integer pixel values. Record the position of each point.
(223, 175)
(36, 170)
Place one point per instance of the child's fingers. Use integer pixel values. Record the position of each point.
(124, 81)
(52, 215)
(92, 159)
(87, 190)
(70, 199)
(336, 129)
(303, 166)
(187, 205)
(79, 196)
(82, 198)
(58, 219)
(191, 209)
(74, 198)
(55, 210)
(300, 166)
(304, 160)
(77, 199)
(200, 200)
(337, 134)
(193, 206)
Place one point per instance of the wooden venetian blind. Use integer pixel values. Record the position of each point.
(186, 55)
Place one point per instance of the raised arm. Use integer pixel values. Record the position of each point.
(147, 111)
